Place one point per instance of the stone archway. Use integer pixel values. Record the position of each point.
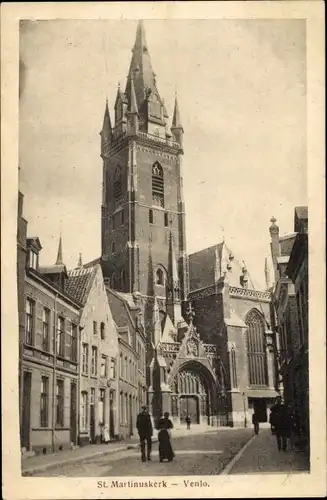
(193, 393)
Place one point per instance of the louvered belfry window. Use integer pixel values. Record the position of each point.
(157, 185)
(257, 358)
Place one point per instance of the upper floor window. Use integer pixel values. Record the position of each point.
(151, 216)
(94, 361)
(157, 185)
(85, 358)
(95, 328)
(102, 330)
(29, 318)
(32, 259)
(118, 192)
(112, 368)
(166, 219)
(60, 336)
(103, 368)
(45, 329)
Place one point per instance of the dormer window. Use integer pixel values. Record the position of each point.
(33, 259)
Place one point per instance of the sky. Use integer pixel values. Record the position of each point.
(241, 86)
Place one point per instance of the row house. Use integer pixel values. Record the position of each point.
(49, 357)
(132, 359)
(290, 301)
(21, 264)
(98, 390)
(297, 270)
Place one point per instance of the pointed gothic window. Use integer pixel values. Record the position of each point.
(232, 357)
(118, 193)
(113, 247)
(257, 359)
(160, 277)
(157, 185)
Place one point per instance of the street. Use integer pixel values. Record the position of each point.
(205, 454)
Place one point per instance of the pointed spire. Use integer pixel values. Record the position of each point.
(143, 76)
(267, 273)
(176, 116)
(80, 262)
(133, 103)
(156, 322)
(106, 127)
(59, 260)
(173, 261)
(140, 40)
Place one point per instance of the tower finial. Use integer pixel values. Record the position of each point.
(80, 262)
(59, 260)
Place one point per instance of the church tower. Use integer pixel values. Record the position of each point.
(143, 211)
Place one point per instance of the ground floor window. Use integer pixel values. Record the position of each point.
(60, 402)
(44, 402)
(84, 410)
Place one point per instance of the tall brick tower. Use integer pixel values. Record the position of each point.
(143, 212)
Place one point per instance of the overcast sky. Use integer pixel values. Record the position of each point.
(242, 96)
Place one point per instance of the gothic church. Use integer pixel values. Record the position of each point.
(207, 328)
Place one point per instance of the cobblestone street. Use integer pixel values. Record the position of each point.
(206, 454)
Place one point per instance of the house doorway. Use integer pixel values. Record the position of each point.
(26, 413)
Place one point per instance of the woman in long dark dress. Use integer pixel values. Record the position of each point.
(165, 449)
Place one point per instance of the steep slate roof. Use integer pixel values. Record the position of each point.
(209, 264)
(141, 72)
(53, 269)
(79, 282)
(301, 212)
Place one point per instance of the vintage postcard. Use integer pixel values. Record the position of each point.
(163, 246)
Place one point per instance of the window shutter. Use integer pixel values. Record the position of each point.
(38, 315)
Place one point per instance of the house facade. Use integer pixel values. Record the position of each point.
(297, 270)
(49, 358)
(132, 360)
(98, 380)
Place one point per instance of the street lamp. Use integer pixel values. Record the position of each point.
(244, 408)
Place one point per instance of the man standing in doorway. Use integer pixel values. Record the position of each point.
(145, 430)
(188, 422)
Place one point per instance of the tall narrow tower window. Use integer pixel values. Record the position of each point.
(157, 185)
(166, 219)
(151, 216)
(118, 193)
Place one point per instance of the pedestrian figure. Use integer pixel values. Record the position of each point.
(271, 421)
(105, 433)
(255, 423)
(282, 424)
(145, 430)
(188, 422)
(164, 435)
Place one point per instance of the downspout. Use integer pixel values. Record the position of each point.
(79, 343)
(54, 374)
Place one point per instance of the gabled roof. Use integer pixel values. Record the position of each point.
(79, 282)
(53, 269)
(34, 240)
(209, 264)
(301, 212)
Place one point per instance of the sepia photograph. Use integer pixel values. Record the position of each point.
(163, 250)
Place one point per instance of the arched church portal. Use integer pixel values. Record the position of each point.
(193, 394)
